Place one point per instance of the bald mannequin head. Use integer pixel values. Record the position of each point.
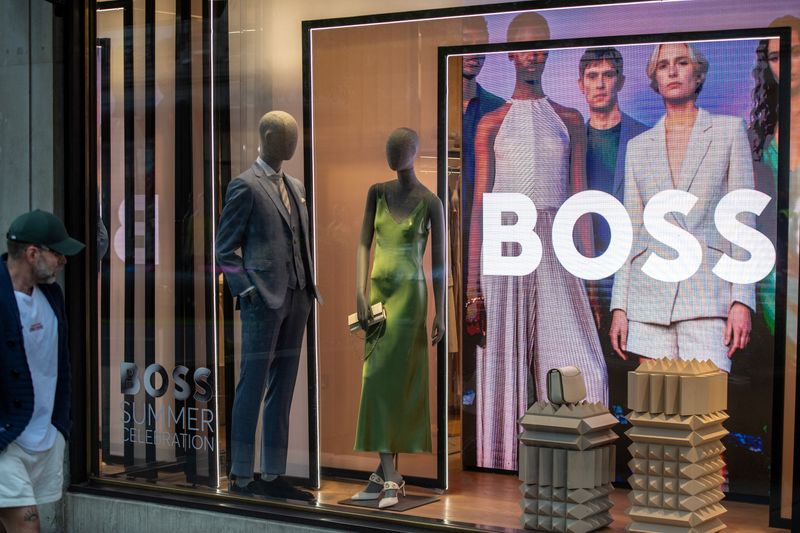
(278, 133)
(528, 27)
(401, 149)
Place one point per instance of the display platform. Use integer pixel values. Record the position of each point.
(484, 498)
(406, 503)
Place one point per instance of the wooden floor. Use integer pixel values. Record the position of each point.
(493, 500)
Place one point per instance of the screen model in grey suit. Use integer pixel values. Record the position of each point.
(717, 161)
(273, 280)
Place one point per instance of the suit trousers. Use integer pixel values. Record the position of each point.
(271, 342)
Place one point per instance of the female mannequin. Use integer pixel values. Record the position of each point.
(394, 414)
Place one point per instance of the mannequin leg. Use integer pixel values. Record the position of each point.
(387, 472)
(371, 491)
(390, 497)
(387, 464)
(260, 328)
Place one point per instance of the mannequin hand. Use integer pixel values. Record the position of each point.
(619, 332)
(437, 330)
(737, 330)
(364, 311)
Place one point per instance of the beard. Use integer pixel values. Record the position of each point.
(43, 273)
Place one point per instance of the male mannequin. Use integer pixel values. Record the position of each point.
(265, 216)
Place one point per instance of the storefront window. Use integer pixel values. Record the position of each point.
(438, 161)
(159, 395)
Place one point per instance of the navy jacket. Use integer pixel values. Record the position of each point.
(16, 387)
(630, 129)
(483, 103)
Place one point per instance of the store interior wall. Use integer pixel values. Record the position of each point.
(375, 80)
(278, 76)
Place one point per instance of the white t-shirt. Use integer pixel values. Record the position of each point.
(40, 334)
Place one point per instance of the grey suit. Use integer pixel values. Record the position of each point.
(276, 260)
(717, 161)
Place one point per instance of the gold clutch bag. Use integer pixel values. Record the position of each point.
(378, 316)
(565, 385)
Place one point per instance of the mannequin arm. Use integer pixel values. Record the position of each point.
(484, 178)
(230, 235)
(577, 174)
(439, 270)
(362, 256)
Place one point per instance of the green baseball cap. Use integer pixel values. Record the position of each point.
(45, 229)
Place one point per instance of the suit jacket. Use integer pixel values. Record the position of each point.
(255, 220)
(717, 161)
(630, 128)
(16, 385)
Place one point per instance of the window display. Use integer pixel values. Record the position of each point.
(677, 250)
(512, 241)
(562, 190)
(265, 217)
(393, 416)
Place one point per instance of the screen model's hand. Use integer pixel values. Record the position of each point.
(437, 330)
(593, 292)
(598, 316)
(737, 330)
(473, 310)
(364, 311)
(619, 332)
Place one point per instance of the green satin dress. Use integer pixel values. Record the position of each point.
(394, 415)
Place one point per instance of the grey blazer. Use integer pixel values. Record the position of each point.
(717, 161)
(255, 220)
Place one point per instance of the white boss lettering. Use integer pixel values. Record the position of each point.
(495, 233)
(656, 222)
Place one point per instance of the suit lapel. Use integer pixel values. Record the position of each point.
(619, 170)
(699, 142)
(271, 192)
(660, 161)
(296, 197)
(661, 170)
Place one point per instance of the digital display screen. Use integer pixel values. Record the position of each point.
(618, 201)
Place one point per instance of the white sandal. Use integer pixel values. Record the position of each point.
(364, 495)
(388, 501)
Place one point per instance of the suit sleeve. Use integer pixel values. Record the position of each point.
(634, 207)
(740, 176)
(230, 235)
